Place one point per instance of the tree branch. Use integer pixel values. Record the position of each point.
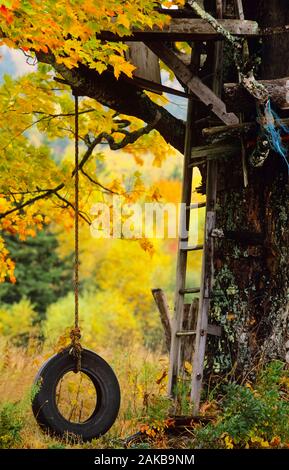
(93, 181)
(124, 98)
(69, 204)
(130, 138)
(48, 193)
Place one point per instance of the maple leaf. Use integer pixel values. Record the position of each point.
(6, 13)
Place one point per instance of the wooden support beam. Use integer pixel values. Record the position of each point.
(215, 151)
(193, 83)
(187, 29)
(222, 134)
(161, 302)
(214, 135)
(238, 99)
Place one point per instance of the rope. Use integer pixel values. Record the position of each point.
(75, 333)
(270, 136)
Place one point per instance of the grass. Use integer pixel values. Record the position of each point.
(244, 416)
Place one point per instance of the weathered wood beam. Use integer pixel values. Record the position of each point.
(238, 99)
(214, 151)
(187, 29)
(219, 134)
(193, 83)
(215, 135)
(162, 304)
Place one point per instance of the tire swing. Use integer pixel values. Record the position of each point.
(76, 359)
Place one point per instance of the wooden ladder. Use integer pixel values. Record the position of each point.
(202, 329)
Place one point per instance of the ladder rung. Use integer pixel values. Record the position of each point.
(196, 205)
(192, 248)
(192, 290)
(214, 330)
(186, 333)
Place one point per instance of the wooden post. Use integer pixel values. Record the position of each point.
(161, 302)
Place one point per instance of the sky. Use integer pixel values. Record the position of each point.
(14, 63)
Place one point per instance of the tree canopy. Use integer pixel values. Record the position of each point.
(68, 29)
(36, 182)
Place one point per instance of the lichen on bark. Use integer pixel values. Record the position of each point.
(251, 296)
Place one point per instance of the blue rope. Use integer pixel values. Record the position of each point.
(272, 130)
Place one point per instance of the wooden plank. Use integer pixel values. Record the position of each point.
(219, 134)
(162, 304)
(209, 98)
(215, 151)
(194, 84)
(187, 29)
(146, 62)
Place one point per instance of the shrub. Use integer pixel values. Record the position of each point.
(11, 423)
(252, 417)
(16, 320)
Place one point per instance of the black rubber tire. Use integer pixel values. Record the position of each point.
(107, 388)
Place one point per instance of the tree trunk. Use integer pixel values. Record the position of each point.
(250, 296)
